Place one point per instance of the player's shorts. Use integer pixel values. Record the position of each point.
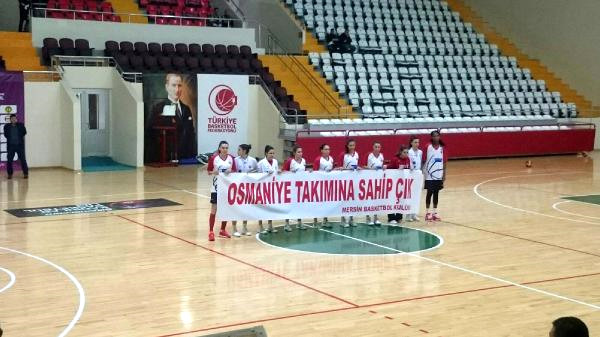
(434, 185)
(213, 198)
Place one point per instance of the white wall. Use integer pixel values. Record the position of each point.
(263, 128)
(70, 118)
(127, 122)
(563, 35)
(97, 33)
(43, 120)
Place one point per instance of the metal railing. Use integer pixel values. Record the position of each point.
(323, 96)
(41, 76)
(129, 18)
(447, 129)
(43, 12)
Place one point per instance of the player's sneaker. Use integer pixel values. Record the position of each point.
(436, 217)
(271, 229)
(409, 218)
(344, 224)
(428, 217)
(393, 222)
(223, 234)
(415, 218)
(211, 236)
(377, 223)
(287, 227)
(237, 234)
(246, 232)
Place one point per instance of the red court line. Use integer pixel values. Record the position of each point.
(354, 306)
(375, 304)
(242, 262)
(255, 321)
(524, 239)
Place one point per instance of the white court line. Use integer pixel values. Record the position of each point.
(292, 250)
(476, 191)
(12, 277)
(555, 206)
(453, 266)
(70, 276)
(196, 194)
(85, 197)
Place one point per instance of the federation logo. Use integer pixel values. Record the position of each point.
(8, 109)
(222, 100)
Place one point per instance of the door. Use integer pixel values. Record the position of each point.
(95, 126)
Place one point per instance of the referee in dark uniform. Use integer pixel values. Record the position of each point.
(15, 137)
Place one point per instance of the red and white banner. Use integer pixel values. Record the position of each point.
(222, 110)
(260, 196)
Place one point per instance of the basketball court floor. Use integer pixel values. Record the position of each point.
(512, 253)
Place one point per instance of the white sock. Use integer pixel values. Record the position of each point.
(428, 211)
(435, 211)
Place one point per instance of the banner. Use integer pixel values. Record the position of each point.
(12, 101)
(222, 111)
(170, 113)
(260, 196)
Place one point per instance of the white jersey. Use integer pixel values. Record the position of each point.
(265, 167)
(416, 159)
(375, 162)
(434, 165)
(350, 160)
(246, 165)
(218, 164)
(324, 164)
(297, 166)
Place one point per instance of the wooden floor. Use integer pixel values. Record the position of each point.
(509, 265)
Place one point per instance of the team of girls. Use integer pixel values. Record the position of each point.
(407, 157)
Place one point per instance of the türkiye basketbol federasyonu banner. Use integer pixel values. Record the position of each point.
(261, 196)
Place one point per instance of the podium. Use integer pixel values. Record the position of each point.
(166, 134)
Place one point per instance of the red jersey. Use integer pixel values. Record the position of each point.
(399, 163)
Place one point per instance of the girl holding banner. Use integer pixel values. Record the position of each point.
(324, 163)
(268, 165)
(220, 162)
(244, 164)
(435, 174)
(349, 161)
(295, 164)
(416, 162)
(375, 161)
(400, 161)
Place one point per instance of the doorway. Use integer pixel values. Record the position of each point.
(95, 126)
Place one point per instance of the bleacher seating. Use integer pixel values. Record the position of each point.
(81, 10)
(417, 58)
(188, 9)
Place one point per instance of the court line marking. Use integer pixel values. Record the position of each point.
(242, 262)
(101, 215)
(72, 278)
(522, 238)
(12, 280)
(476, 191)
(497, 279)
(410, 299)
(441, 243)
(85, 197)
(555, 206)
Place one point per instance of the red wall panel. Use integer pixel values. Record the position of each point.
(466, 145)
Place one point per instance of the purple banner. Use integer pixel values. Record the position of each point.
(12, 101)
